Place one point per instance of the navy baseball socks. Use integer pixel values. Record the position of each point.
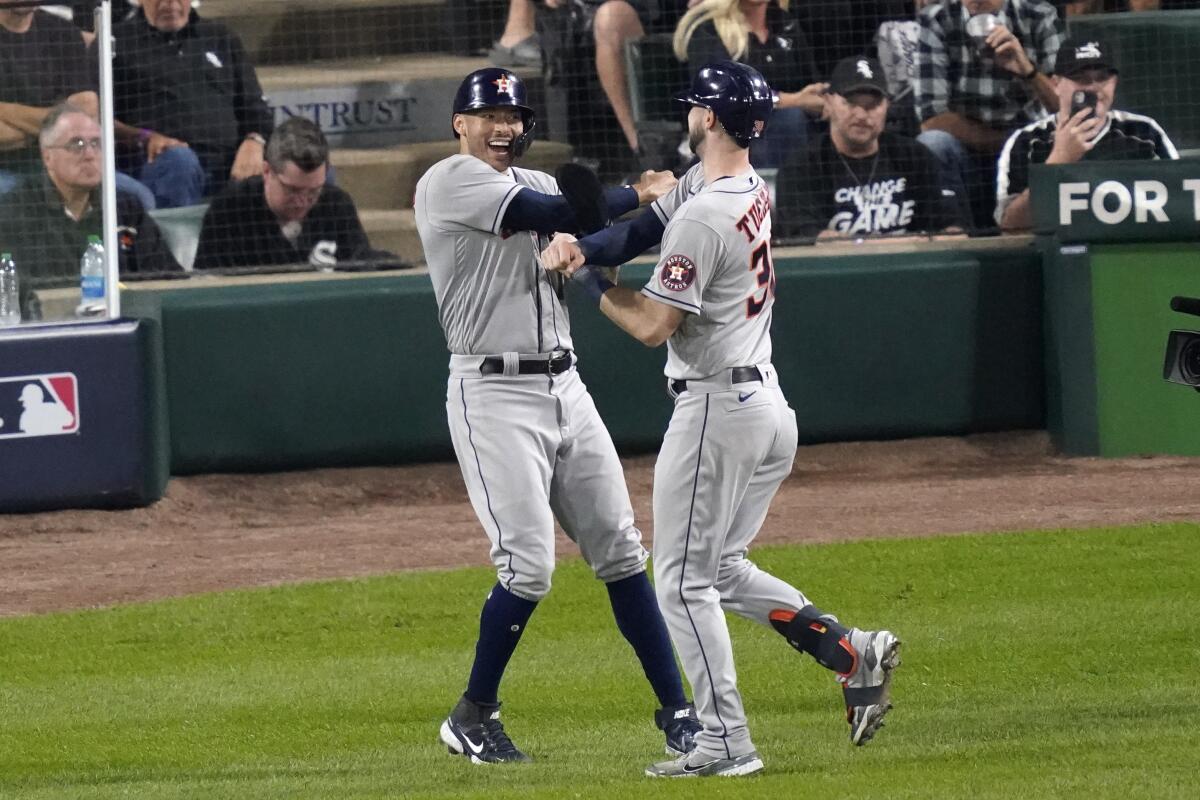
(641, 623)
(473, 728)
(863, 661)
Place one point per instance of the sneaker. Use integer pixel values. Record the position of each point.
(867, 685)
(701, 765)
(476, 731)
(680, 725)
(526, 53)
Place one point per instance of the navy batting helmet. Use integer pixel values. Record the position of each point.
(737, 94)
(492, 87)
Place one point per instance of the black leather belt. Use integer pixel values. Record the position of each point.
(494, 365)
(737, 375)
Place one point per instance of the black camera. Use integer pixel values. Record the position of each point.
(1081, 99)
(1182, 362)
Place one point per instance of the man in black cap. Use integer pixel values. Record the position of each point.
(858, 181)
(1086, 128)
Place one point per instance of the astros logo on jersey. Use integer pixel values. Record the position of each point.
(503, 84)
(677, 273)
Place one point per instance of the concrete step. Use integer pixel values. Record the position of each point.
(387, 178)
(282, 31)
(394, 230)
(378, 102)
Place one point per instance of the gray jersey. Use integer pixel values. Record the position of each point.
(687, 187)
(493, 295)
(716, 266)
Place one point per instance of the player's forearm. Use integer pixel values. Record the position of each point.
(10, 137)
(532, 210)
(970, 132)
(614, 246)
(636, 314)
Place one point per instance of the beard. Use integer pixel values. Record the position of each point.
(695, 138)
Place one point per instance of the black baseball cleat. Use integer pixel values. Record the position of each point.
(475, 731)
(680, 726)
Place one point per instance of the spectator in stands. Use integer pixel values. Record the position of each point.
(286, 215)
(1098, 132)
(46, 223)
(44, 61)
(188, 78)
(616, 22)
(768, 37)
(845, 28)
(858, 180)
(982, 71)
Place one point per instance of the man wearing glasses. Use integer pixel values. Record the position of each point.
(46, 223)
(287, 215)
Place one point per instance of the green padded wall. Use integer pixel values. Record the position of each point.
(353, 371)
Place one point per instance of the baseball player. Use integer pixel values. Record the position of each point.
(732, 437)
(529, 440)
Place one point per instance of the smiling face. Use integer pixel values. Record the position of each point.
(856, 120)
(167, 15)
(489, 134)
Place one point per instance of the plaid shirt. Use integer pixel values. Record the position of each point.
(953, 75)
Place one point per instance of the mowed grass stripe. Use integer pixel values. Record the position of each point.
(1035, 665)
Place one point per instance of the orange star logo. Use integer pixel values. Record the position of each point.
(504, 84)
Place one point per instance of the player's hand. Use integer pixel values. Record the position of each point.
(248, 161)
(1073, 139)
(1009, 52)
(653, 185)
(159, 142)
(563, 254)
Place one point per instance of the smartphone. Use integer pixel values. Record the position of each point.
(1081, 100)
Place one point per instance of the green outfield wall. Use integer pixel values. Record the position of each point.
(352, 370)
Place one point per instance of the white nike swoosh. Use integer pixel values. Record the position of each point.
(471, 746)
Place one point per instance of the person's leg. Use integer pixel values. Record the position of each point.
(616, 21)
(129, 185)
(591, 501)
(699, 474)
(504, 438)
(518, 44)
(952, 158)
(176, 177)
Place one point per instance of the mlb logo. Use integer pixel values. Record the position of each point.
(39, 405)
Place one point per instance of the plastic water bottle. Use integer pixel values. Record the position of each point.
(91, 278)
(10, 292)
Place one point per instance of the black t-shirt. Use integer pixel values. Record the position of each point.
(196, 84)
(41, 68)
(895, 191)
(785, 59)
(240, 230)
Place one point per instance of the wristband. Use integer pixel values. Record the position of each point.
(593, 282)
(257, 137)
(1032, 74)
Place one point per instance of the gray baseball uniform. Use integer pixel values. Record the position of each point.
(532, 448)
(730, 443)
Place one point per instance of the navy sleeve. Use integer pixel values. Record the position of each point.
(614, 246)
(532, 210)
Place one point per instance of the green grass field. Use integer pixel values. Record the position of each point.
(1036, 665)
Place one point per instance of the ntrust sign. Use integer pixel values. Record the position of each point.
(1111, 202)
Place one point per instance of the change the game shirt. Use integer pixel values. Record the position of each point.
(895, 191)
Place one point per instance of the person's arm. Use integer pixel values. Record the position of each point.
(647, 320)
(531, 210)
(625, 240)
(218, 238)
(255, 120)
(1010, 54)
(1072, 141)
